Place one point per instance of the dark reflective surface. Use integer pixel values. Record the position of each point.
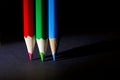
(78, 57)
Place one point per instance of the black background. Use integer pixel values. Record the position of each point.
(75, 17)
(11, 20)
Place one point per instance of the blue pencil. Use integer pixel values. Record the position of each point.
(53, 25)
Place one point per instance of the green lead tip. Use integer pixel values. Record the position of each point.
(42, 56)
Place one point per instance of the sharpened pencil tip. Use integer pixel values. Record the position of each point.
(54, 57)
(42, 56)
(30, 56)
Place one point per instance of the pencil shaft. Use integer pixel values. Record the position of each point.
(52, 19)
(28, 17)
(39, 24)
(41, 31)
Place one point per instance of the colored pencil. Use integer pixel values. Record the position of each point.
(41, 32)
(28, 20)
(53, 26)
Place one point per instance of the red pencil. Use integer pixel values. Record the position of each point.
(28, 20)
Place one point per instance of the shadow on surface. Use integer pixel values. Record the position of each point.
(95, 61)
(99, 60)
(93, 49)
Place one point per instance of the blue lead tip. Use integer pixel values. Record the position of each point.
(54, 57)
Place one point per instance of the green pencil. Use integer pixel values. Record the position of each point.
(41, 29)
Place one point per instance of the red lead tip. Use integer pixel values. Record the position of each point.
(30, 56)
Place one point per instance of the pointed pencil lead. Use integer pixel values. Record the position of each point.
(42, 56)
(54, 57)
(30, 56)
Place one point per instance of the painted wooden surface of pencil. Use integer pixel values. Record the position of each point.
(53, 26)
(28, 20)
(41, 31)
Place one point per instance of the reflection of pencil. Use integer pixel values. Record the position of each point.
(53, 25)
(41, 28)
(29, 34)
